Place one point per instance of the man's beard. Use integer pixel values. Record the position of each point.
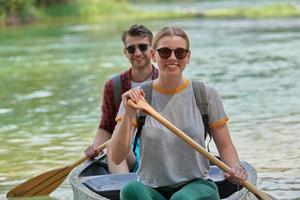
(141, 63)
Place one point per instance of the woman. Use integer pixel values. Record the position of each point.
(169, 168)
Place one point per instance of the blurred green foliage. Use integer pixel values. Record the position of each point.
(274, 10)
(68, 11)
(16, 9)
(14, 12)
(22, 11)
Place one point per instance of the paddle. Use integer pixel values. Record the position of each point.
(47, 182)
(144, 106)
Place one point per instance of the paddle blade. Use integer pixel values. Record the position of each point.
(42, 184)
(47, 182)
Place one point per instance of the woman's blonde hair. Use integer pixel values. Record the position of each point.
(170, 31)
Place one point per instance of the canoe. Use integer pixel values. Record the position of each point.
(91, 181)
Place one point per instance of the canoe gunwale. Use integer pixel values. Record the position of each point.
(82, 192)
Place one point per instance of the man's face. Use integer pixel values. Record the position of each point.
(138, 51)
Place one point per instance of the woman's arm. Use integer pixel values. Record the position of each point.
(228, 154)
(120, 143)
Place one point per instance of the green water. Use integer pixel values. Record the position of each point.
(50, 91)
(51, 80)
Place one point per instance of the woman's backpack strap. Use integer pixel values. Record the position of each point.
(117, 90)
(147, 87)
(202, 104)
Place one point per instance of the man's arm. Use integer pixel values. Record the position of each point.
(101, 137)
(107, 121)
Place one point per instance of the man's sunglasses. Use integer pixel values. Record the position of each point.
(142, 48)
(165, 53)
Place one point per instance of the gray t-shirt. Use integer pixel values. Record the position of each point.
(165, 158)
(136, 84)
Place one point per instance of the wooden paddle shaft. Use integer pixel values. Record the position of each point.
(142, 104)
(198, 147)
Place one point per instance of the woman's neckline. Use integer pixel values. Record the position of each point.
(178, 89)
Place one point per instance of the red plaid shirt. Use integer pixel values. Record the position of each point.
(109, 109)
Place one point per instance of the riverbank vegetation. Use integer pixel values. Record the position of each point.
(275, 10)
(16, 12)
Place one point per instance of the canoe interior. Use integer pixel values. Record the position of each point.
(96, 177)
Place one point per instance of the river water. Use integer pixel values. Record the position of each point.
(51, 80)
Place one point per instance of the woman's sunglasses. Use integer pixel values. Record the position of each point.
(165, 53)
(142, 48)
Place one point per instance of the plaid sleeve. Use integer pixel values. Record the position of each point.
(108, 109)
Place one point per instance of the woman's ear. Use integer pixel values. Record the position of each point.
(189, 56)
(153, 55)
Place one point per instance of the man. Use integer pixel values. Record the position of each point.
(137, 48)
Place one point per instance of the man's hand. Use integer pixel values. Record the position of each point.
(91, 151)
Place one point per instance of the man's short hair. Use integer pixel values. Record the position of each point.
(137, 30)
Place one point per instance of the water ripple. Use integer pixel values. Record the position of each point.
(5, 110)
(35, 95)
(9, 127)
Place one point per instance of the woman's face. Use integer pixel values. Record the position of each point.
(174, 64)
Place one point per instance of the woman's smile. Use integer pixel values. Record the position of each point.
(172, 65)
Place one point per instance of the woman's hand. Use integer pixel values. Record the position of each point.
(135, 95)
(237, 175)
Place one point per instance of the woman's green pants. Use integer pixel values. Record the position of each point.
(195, 190)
